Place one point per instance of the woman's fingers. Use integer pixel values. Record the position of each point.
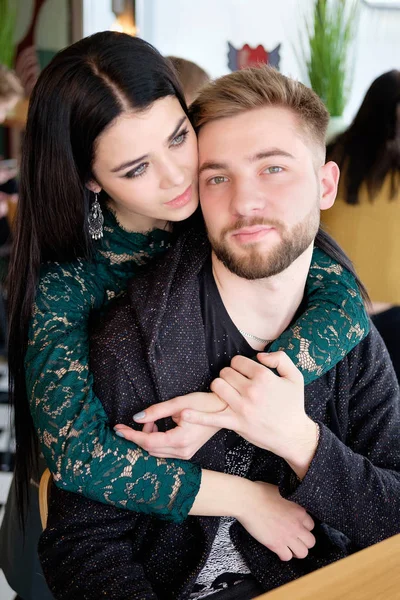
(220, 420)
(160, 411)
(208, 402)
(284, 553)
(308, 522)
(298, 548)
(307, 538)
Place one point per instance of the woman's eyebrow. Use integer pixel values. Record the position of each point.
(177, 128)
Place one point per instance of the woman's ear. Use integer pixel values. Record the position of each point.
(93, 186)
(329, 180)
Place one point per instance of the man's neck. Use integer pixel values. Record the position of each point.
(263, 307)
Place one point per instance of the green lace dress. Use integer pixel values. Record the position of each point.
(82, 451)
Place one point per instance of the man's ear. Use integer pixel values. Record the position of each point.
(93, 186)
(329, 180)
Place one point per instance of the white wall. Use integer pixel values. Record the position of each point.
(200, 31)
(97, 16)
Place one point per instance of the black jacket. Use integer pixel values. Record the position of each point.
(152, 348)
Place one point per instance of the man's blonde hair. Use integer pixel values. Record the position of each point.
(10, 86)
(260, 87)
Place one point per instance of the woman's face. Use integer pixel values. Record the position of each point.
(147, 164)
(6, 106)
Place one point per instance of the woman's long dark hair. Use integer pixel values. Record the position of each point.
(369, 150)
(325, 242)
(83, 89)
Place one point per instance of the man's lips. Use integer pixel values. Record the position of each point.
(252, 234)
(182, 199)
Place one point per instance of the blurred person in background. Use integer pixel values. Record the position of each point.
(11, 92)
(191, 76)
(365, 220)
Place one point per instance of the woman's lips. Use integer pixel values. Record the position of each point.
(181, 200)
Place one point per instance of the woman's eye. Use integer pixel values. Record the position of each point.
(272, 170)
(138, 171)
(217, 179)
(180, 138)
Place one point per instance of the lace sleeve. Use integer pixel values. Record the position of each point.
(82, 451)
(334, 322)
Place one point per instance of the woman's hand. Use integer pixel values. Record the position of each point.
(184, 440)
(282, 526)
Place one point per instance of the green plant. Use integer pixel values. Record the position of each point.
(327, 50)
(8, 12)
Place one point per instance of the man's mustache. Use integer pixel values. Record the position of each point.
(241, 223)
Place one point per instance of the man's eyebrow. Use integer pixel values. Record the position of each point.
(131, 163)
(268, 154)
(209, 165)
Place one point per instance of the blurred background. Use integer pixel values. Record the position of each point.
(338, 47)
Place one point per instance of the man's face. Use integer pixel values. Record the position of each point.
(262, 185)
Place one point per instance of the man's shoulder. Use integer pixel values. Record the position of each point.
(369, 354)
(115, 324)
(367, 363)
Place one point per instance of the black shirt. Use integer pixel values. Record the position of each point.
(223, 339)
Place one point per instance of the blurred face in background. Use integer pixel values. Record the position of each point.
(7, 105)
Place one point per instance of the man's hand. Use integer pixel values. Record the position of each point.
(264, 408)
(282, 526)
(184, 440)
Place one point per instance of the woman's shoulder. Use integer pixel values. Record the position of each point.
(73, 282)
(79, 269)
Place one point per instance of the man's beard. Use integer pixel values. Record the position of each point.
(249, 262)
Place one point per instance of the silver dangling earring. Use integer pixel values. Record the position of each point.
(95, 220)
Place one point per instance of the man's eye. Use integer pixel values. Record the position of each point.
(272, 170)
(217, 179)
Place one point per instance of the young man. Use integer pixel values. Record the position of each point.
(334, 450)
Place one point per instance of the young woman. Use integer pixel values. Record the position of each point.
(109, 164)
(368, 204)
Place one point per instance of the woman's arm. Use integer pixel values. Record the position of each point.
(334, 321)
(83, 453)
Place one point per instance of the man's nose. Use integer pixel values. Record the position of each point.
(172, 174)
(246, 199)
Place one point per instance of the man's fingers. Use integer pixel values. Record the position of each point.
(245, 366)
(150, 427)
(282, 363)
(238, 381)
(227, 392)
